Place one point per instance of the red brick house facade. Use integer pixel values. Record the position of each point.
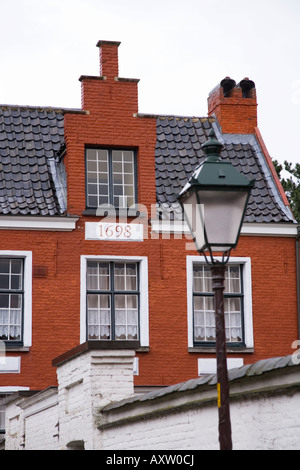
(137, 278)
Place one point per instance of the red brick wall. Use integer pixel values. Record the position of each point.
(56, 302)
(111, 106)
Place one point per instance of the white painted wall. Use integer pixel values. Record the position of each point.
(95, 403)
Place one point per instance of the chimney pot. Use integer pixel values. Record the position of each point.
(227, 84)
(246, 86)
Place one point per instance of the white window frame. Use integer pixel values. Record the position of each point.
(27, 311)
(110, 179)
(143, 288)
(248, 315)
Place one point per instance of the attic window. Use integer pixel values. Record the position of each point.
(110, 178)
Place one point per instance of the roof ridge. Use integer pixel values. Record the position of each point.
(60, 110)
(175, 116)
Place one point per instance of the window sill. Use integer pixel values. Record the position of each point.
(111, 211)
(143, 349)
(113, 344)
(16, 347)
(212, 350)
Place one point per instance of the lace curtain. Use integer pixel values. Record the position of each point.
(204, 312)
(11, 280)
(112, 315)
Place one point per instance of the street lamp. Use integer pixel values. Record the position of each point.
(214, 203)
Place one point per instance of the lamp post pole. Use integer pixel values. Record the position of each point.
(214, 202)
(218, 277)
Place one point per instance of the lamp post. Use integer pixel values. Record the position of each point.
(214, 203)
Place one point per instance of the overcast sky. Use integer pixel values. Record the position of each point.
(179, 49)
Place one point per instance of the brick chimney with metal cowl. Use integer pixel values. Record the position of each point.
(234, 105)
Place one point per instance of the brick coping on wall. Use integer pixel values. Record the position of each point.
(94, 345)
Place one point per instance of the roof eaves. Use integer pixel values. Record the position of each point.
(271, 166)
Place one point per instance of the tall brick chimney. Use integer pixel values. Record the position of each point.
(108, 93)
(235, 106)
(109, 62)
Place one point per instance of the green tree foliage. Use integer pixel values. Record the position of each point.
(291, 184)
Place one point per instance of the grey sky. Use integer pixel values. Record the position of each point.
(179, 51)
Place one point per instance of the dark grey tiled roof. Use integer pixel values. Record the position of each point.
(29, 139)
(32, 179)
(178, 152)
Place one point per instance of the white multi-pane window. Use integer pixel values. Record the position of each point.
(11, 299)
(203, 305)
(111, 178)
(112, 300)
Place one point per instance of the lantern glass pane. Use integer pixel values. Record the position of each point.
(223, 214)
(193, 213)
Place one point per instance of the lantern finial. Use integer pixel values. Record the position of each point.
(212, 147)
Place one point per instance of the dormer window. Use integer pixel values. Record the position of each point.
(110, 178)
